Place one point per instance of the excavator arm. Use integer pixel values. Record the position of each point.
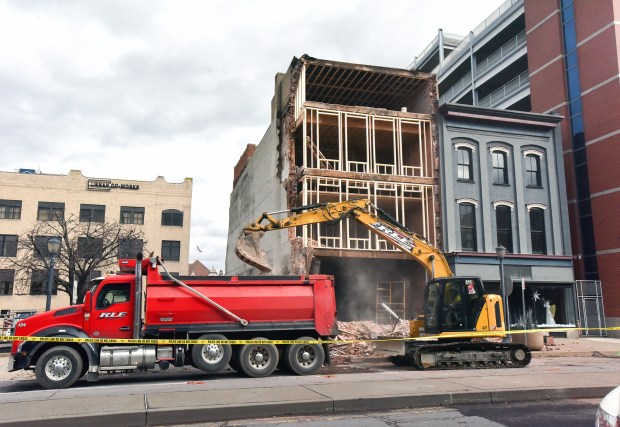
(361, 210)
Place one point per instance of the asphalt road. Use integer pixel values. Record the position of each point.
(556, 413)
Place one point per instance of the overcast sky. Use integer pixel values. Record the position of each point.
(137, 89)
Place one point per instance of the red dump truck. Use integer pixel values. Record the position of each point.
(293, 311)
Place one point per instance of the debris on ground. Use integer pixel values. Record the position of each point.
(360, 331)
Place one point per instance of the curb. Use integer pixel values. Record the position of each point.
(326, 406)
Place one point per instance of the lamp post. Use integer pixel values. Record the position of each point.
(53, 246)
(501, 253)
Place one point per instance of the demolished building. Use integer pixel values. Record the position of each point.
(343, 131)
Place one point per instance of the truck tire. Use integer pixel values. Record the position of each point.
(258, 360)
(304, 358)
(59, 367)
(211, 357)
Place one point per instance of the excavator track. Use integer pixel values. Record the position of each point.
(468, 355)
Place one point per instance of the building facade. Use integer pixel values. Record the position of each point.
(554, 56)
(502, 184)
(161, 210)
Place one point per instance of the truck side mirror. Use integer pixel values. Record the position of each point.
(87, 301)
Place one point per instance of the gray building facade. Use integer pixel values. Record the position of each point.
(502, 183)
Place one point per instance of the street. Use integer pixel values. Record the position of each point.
(556, 413)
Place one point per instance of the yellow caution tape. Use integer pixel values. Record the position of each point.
(166, 341)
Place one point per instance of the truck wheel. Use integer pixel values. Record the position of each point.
(211, 357)
(258, 360)
(304, 358)
(59, 367)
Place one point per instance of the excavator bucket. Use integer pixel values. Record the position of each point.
(248, 250)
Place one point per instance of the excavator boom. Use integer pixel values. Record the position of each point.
(361, 210)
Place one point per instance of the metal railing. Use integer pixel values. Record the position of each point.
(455, 54)
(464, 82)
(501, 53)
(503, 92)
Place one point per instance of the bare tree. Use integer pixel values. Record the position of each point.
(86, 248)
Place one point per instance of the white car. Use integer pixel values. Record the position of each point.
(608, 413)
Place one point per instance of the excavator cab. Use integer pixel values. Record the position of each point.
(453, 304)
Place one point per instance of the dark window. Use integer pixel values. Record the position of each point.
(89, 247)
(171, 250)
(128, 248)
(51, 211)
(132, 215)
(532, 169)
(537, 231)
(113, 293)
(464, 162)
(10, 209)
(503, 218)
(172, 217)
(92, 213)
(8, 245)
(500, 167)
(40, 246)
(7, 279)
(467, 213)
(38, 284)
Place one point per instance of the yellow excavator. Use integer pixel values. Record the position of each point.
(463, 327)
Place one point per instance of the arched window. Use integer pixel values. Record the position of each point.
(537, 231)
(467, 215)
(532, 170)
(500, 167)
(172, 217)
(503, 221)
(465, 171)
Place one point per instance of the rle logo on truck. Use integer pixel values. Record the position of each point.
(113, 315)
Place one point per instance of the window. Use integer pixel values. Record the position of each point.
(89, 247)
(7, 279)
(113, 294)
(40, 246)
(38, 284)
(172, 217)
(51, 211)
(92, 213)
(532, 170)
(10, 209)
(503, 220)
(467, 212)
(464, 162)
(171, 250)
(537, 231)
(132, 215)
(500, 168)
(8, 245)
(128, 248)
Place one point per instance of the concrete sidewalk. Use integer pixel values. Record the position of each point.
(389, 387)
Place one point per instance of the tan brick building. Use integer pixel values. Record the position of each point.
(158, 208)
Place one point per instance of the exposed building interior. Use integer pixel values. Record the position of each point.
(358, 131)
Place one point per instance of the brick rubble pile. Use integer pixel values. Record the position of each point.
(360, 331)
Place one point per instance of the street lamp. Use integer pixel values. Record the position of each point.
(501, 253)
(53, 246)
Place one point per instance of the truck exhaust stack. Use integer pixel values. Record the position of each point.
(248, 250)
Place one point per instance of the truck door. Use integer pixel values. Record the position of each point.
(112, 315)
